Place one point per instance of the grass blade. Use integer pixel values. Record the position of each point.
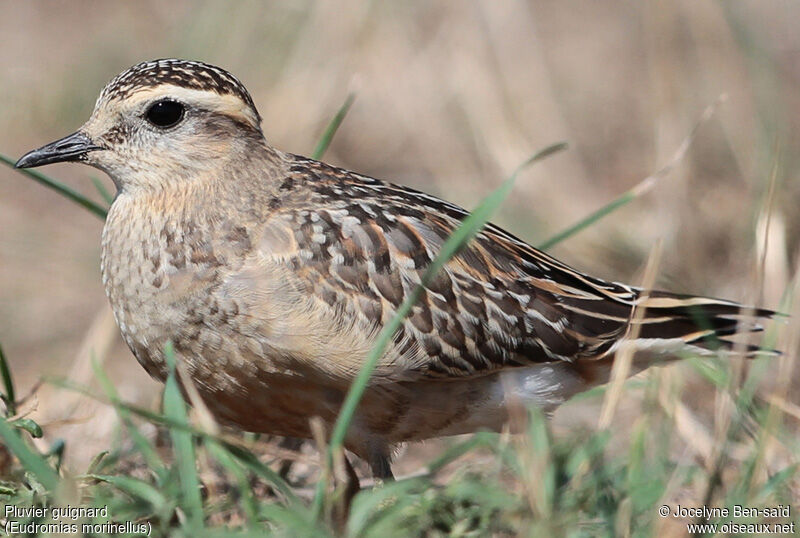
(107, 196)
(141, 442)
(640, 188)
(29, 426)
(333, 126)
(224, 458)
(368, 510)
(286, 521)
(251, 462)
(610, 207)
(538, 463)
(469, 227)
(97, 462)
(452, 453)
(183, 445)
(59, 187)
(135, 488)
(9, 397)
(33, 462)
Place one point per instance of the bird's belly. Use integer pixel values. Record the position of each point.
(235, 370)
(440, 408)
(279, 404)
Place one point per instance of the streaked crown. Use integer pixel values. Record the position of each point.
(181, 74)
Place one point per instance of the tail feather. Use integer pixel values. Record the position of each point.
(678, 327)
(701, 321)
(694, 305)
(670, 323)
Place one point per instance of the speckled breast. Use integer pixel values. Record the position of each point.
(161, 270)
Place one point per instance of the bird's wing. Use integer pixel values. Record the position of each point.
(350, 249)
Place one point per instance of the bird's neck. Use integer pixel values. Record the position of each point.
(206, 171)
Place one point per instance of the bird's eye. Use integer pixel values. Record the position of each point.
(165, 113)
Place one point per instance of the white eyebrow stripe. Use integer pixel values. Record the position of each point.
(209, 99)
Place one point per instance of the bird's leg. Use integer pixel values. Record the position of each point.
(352, 486)
(381, 467)
(289, 443)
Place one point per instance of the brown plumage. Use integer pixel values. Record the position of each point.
(273, 274)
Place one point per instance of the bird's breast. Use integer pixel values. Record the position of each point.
(159, 269)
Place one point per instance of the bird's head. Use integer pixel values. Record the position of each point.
(159, 121)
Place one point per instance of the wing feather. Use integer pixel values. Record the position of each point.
(357, 247)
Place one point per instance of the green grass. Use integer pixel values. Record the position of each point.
(536, 484)
(59, 187)
(192, 482)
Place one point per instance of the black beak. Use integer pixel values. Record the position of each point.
(70, 148)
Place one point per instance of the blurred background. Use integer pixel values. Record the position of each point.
(450, 98)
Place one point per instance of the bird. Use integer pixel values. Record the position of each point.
(272, 275)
